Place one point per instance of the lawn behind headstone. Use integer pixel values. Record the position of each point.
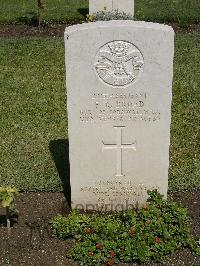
(33, 108)
(69, 11)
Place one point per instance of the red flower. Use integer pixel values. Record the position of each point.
(112, 254)
(145, 206)
(157, 240)
(99, 246)
(90, 253)
(110, 263)
(88, 230)
(132, 231)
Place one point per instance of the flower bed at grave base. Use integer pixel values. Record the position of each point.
(31, 241)
(159, 228)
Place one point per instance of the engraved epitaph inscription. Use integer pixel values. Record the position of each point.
(118, 63)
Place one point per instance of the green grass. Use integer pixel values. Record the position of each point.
(32, 82)
(183, 12)
(33, 112)
(56, 11)
(185, 159)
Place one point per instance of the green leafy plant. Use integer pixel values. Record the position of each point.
(7, 198)
(149, 233)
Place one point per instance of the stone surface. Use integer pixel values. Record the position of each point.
(119, 86)
(126, 6)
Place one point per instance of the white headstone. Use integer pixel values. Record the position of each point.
(119, 87)
(126, 6)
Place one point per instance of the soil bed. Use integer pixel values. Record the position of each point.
(57, 30)
(30, 241)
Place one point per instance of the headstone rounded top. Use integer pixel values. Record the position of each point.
(118, 23)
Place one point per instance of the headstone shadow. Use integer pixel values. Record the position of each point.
(60, 153)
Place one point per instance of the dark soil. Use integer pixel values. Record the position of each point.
(57, 30)
(19, 31)
(30, 241)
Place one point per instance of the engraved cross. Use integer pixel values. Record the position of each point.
(119, 146)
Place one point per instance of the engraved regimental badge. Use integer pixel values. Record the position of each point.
(118, 63)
